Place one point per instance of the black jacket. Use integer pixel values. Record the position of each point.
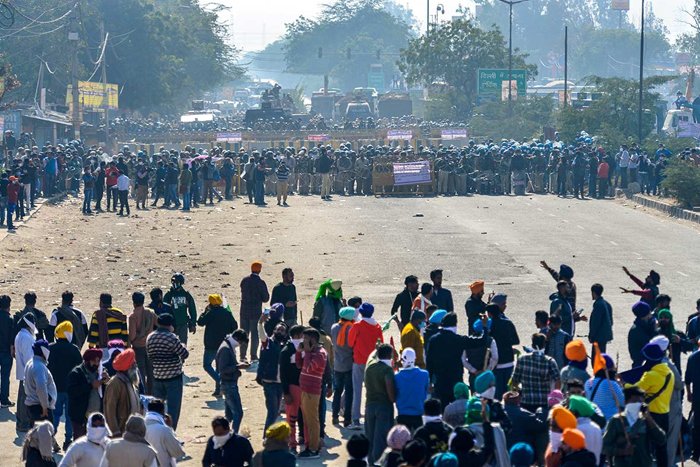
(42, 322)
(582, 458)
(7, 332)
(217, 322)
(474, 307)
(78, 389)
(600, 324)
(237, 452)
(445, 355)
(289, 373)
(63, 358)
(504, 332)
(404, 302)
(525, 425)
(638, 336)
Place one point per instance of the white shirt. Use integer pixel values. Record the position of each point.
(593, 435)
(162, 438)
(123, 183)
(624, 158)
(82, 453)
(23, 351)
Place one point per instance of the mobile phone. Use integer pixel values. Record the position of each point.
(266, 311)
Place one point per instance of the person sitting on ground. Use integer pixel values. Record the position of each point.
(358, 450)
(275, 448)
(414, 454)
(397, 438)
(434, 432)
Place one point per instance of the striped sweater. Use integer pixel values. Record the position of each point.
(167, 354)
(312, 365)
(116, 328)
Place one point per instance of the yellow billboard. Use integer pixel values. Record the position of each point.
(92, 95)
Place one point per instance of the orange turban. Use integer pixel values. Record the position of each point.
(576, 351)
(256, 267)
(574, 438)
(563, 417)
(476, 287)
(124, 360)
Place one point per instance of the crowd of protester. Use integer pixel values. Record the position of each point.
(115, 381)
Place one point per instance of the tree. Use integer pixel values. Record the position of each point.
(529, 117)
(614, 116)
(690, 41)
(682, 179)
(159, 53)
(452, 54)
(8, 80)
(346, 38)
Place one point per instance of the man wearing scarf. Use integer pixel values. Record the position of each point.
(412, 336)
(121, 398)
(477, 419)
(107, 323)
(63, 357)
(379, 404)
(575, 353)
(87, 451)
(678, 341)
(24, 340)
(403, 302)
(643, 329)
(583, 410)
(37, 449)
(342, 364)
(560, 419)
(253, 294)
(363, 337)
(289, 375)
(434, 433)
(226, 448)
(161, 436)
(39, 385)
(67, 312)
(132, 449)
(537, 373)
(630, 437)
(412, 387)
(84, 388)
(475, 306)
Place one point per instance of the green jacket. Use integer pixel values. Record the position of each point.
(183, 304)
(642, 435)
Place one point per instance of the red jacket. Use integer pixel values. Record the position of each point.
(111, 175)
(13, 193)
(312, 365)
(603, 170)
(363, 338)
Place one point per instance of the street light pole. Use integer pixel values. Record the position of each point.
(641, 76)
(427, 18)
(510, 51)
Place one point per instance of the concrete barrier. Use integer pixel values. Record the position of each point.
(667, 208)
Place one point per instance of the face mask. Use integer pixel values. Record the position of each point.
(32, 327)
(219, 441)
(555, 440)
(451, 329)
(96, 434)
(297, 342)
(490, 393)
(69, 336)
(422, 326)
(632, 412)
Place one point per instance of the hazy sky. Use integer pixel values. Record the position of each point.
(256, 24)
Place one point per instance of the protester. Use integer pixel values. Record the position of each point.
(121, 398)
(253, 295)
(24, 342)
(84, 390)
(573, 445)
(412, 386)
(649, 288)
(403, 302)
(160, 436)
(362, 338)
(380, 398)
(141, 322)
(342, 366)
(475, 306)
(7, 348)
(358, 449)
(167, 354)
(183, 307)
(40, 318)
(560, 420)
(275, 448)
(411, 336)
(39, 385)
(230, 371)
(87, 451)
(311, 358)
(107, 323)
(556, 341)
(218, 322)
(600, 325)
(435, 433)
(643, 329)
(440, 297)
(268, 372)
(537, 373)
(527, 427)
(132, 449)
(577, 357)
(67, 312)
(506, 336)
(63, 357)
(37, 448)
(285, 293)
(583, 410)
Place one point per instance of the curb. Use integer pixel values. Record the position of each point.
(671, 210)
(3, 231)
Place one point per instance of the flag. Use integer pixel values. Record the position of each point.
(395, 354)
(385, 326)
(598, 360)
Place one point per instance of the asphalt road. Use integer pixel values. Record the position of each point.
(371, 244)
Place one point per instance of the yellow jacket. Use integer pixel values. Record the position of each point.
(411, 337)
(652, 381)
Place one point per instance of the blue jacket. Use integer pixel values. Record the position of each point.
(562, 307)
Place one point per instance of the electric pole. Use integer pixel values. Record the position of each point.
(510, 4)
(74, 38)
(105, 98)
(641, 77)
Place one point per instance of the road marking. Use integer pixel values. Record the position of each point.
(581, 227)
(635, 253)
(565, 221)
(660, 264)
(682, 274)
(552, 215)
(614, 243)
(540, 209)
(496, 243)
(528, 204)
(597, 235)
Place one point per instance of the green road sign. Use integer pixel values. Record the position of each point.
(490, 81)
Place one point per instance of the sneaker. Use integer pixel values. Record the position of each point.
(308, 454)
(355, 426)
(6, 404)
(66, 444)
(216, 393)
(285, 205)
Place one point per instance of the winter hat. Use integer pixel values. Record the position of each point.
(215, 299)
(484, 381)
(436, 317)
(277, 311)
(641, 309)
(166, 319)
(563, 417)
(397, 437)
(461, 391)
(581, 406)
(444, 459)
(279, 431)
(574, 438)
(366, 310)
(521, 455)
(652, 353)
(347, 312)
(555, 397)
(576, 351)
(136, 425)
(124, 360)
